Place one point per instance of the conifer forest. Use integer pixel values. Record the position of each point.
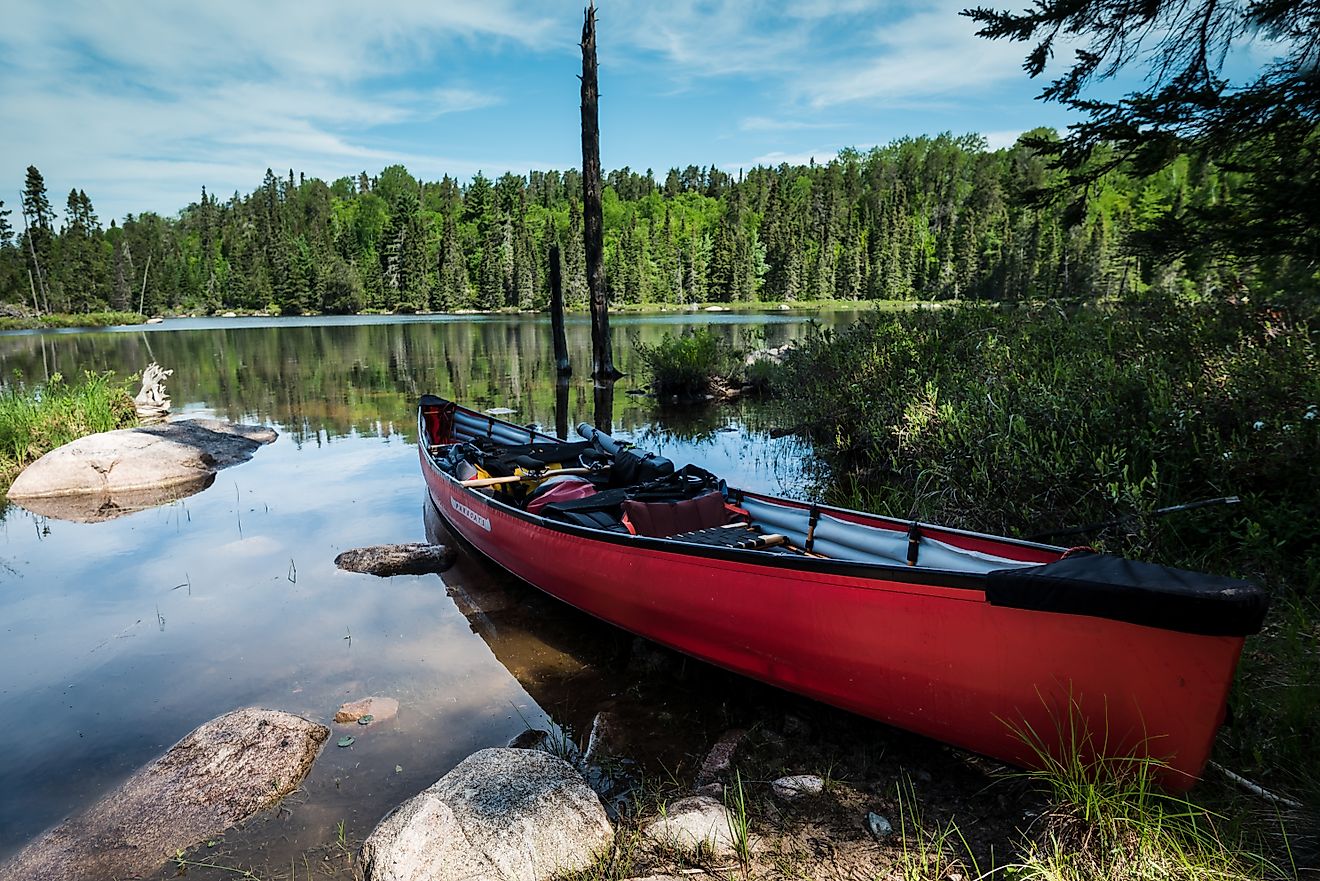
(922, 218)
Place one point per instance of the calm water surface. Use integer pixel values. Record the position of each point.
(120, 637)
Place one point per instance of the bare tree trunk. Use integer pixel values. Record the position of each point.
(602, 359)
(36, 264)
(143, 296)
(561, 407)
(562, 365)
(36, 306)
(603, 399)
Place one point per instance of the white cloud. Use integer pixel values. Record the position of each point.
(1002, 139)
(781, 124)
(932, 54)
(778, 157)
(141, 104)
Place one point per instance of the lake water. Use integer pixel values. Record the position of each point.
(120, 637)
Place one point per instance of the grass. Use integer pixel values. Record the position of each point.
(929, 850)
(735, 802)
(36, 419)
(60, 320)
(1109, 818)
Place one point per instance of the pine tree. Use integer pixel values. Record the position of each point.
(6, 228)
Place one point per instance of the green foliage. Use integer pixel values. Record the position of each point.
(36, 420)
(1200, 97)
(85, 319)
(1025, 420)
(1109, 818)
(691, 365)
(922, 218)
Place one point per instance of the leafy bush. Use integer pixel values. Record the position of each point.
(36, 420)
(692, 365)
(1028, 420)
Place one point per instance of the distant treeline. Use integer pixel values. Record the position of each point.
(929, 217)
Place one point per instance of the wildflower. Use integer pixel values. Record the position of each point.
(1259, 425)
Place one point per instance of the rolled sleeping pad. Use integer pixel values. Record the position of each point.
(590, 432)
(473, 427)
(632, 466)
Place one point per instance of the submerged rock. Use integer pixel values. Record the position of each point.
(698, 825)
(505, 814)
(380, 709)
(172, 459)
(409, 559)
(218, 775)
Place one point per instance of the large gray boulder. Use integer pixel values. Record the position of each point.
(501, 814)
(223, 772)
(114, 472)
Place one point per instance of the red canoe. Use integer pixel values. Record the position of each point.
(983, 642)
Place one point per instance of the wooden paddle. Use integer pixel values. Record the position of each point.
(478, 482)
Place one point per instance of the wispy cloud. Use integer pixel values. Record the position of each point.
(931, 54)
(781, 124)
(778, 157)
(220, 92)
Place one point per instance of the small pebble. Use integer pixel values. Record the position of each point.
(793, 788)
(878, 826)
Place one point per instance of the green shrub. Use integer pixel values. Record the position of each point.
(36, 420)
(692, 365)
(87, 319)
(1027, 420)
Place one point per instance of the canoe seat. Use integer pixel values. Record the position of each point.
(667, 517)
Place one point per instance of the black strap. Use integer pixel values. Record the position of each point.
(914, 543)
(812, 519)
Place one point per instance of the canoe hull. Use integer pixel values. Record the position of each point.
(938, 661)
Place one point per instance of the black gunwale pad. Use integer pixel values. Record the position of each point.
(1105, 586)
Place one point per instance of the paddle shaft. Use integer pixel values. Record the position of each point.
(478, 482)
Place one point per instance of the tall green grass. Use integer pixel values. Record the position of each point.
(37, 419)
(1108, 817)
(86, 319)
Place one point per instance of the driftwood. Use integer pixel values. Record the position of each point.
(386, 560)
(152, 403)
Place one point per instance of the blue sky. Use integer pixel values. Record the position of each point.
(142, 103)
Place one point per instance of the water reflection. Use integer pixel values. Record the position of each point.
(325, 378)
(122, 636)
